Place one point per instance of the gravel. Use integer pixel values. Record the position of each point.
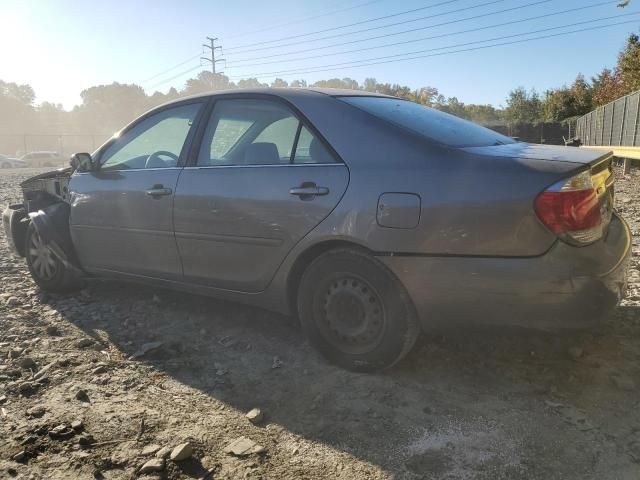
(466, 404)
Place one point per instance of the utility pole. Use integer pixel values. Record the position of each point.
(212, 59)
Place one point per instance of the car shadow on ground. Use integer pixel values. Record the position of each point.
(473, 399)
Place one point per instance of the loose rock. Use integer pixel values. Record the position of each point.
(84, 343)
(255, 415)
(27, 388)
(144, 349)
(153, 465)
(181, 452)
(82, 395)
(19, 457)
(62, 431)
(52, 331)
(149, 450)
(12, 302)
(164, 452)
(243, 446)
(77, 425)
(27, 363)
(36, 412)
(100, 369)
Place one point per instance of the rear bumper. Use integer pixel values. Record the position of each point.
(567, 287)
(14, 229)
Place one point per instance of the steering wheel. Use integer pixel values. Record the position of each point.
(154, 160)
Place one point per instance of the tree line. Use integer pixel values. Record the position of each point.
(106, 108)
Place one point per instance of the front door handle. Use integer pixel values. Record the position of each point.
(308, 191)
(158, 191)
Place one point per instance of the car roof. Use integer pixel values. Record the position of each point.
(283, 92)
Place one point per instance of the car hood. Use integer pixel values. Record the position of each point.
(61, 172)
(532, 151)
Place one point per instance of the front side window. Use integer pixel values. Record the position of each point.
(257, 132)
(155, 142)
(435, 125)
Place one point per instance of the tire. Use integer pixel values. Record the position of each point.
(46, 269)
(355, 311)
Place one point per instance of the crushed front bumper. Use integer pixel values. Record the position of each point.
(15, 227)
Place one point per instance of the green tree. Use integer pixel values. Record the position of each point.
(628, 67)
(607, 86)
(523, 107)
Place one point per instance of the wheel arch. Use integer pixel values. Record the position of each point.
(305, 258)
(52, 224)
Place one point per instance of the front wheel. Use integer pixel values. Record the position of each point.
(355, 311)
(48, 271)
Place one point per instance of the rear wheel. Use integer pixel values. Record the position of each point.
(355, 311)
(47, 270)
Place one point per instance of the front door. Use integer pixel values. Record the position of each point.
(263, 180)
(121, 213)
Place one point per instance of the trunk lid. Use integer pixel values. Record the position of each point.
(532, 151)
(597, 163)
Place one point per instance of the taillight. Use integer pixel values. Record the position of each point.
(574, 210)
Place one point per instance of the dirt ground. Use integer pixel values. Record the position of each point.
(472, 404)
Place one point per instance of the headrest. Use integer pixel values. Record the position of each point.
(261, 153)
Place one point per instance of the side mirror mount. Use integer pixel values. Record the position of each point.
(82, 162)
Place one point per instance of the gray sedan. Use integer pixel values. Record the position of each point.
(368, 217)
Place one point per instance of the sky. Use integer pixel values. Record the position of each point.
(61, 47)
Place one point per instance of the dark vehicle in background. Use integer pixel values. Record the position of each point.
(43, 159)
(369, 217)
(7, 161)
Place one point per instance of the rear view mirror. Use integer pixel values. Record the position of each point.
(81, 162)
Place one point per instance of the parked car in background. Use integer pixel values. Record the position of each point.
(43, 159)
(366, 216)
(11, 162)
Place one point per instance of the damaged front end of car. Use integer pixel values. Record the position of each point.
(46, 205)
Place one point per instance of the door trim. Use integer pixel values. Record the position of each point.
(206, 167)
(220, 237)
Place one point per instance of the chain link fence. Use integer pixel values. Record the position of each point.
(613, 124)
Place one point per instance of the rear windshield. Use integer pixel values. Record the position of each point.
(432, 124)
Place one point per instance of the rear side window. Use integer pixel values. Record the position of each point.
(435, 125)
(258, 132)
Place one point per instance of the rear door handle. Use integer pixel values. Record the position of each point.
(309, 191)
(158, 191)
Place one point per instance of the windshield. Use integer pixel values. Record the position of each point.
(432, 124)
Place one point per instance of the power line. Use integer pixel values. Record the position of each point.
(174, 77)
(262, 30)
(233, 64)
(172, 68)
(374, 61)
(354, 24)
(293, 22)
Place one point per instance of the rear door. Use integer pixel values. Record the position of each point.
(262, 180)
(121, 214)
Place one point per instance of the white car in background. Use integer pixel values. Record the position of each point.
(43, 159)
(11, 162)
